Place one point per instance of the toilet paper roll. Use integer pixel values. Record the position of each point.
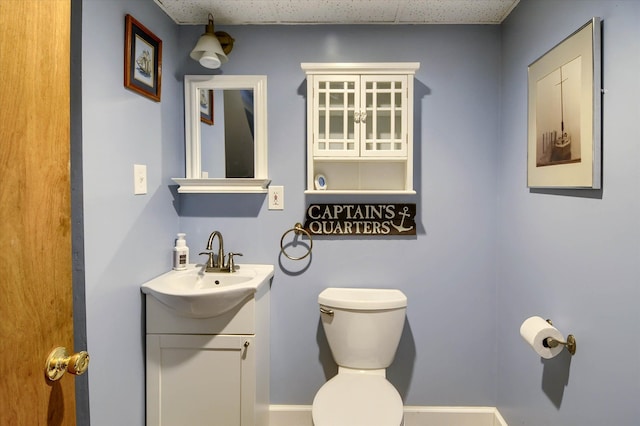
(534, 330)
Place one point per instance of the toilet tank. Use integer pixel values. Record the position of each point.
(363, 326)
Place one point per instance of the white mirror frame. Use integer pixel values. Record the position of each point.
(193, 182)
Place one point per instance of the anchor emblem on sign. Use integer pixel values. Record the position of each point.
(401, 227)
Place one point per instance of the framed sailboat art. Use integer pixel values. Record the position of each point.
(142, 60)
(564, 122)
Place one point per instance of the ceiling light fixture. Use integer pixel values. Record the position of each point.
(212, 47)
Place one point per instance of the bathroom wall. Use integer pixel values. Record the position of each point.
(447, 353)
(489, 252)
(571, 256)
(127, 237)
(446, 356)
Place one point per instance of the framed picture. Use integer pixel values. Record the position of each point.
(142, 59)
(564, 121)
(206, 106)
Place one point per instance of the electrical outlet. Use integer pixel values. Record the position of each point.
(139, 179)
(276, 197)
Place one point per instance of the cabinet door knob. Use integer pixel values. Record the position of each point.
(356, 116)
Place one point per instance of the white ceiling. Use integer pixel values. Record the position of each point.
(281, 12)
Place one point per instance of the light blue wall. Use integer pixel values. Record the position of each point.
(446, 355)
(572, 256)
(126, 236)
(475, 269)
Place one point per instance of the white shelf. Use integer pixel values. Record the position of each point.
(360, 159)
(358, 191)
(379, 68)
(218, 186)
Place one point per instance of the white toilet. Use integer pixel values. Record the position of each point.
(363, 328)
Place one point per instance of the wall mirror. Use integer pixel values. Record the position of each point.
(225, 134)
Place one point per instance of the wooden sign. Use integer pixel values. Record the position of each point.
(361, 219)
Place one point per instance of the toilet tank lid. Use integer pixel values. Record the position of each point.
(362, 298)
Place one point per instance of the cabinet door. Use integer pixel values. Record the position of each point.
(384, 116)
(337, 109)
(196, 380)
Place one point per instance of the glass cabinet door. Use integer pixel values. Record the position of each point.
(336, 132)
(384, 116)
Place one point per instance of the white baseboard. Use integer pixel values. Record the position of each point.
(290, 415)
(300, 415)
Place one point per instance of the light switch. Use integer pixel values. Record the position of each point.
(276, 197)
(139, 179)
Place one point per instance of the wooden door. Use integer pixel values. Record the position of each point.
(35, 210)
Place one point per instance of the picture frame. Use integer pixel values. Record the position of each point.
(564, 135)
(206, 106)
(142, 60)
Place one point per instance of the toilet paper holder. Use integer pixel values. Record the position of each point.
(570, 344)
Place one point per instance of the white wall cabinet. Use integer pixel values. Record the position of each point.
(208, 371)
(360, 127)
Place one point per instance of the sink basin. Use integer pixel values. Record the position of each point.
(194, 293)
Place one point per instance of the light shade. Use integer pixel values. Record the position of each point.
(208, 50)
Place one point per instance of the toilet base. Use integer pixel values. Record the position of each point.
(357, 398)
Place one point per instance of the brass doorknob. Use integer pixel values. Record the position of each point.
(59, 362)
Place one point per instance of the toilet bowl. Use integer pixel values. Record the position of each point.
(363, 329)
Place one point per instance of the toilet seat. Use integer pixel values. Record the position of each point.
(357, 399)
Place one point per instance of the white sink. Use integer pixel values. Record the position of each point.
(197, 294)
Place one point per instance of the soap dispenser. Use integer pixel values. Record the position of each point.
(180, 253)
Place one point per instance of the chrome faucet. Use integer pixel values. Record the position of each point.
(218, 265)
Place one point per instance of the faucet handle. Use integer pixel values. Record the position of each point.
(210, 261)
(231, 262)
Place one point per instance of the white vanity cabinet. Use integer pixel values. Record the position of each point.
(208, 371)
(360, 127)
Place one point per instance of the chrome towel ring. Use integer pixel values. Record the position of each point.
(298, 230)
